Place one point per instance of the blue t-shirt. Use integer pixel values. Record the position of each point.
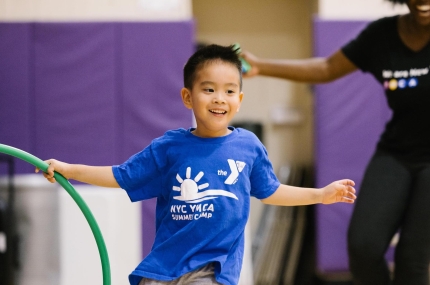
(203, 188)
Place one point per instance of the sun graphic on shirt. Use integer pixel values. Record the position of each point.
(189, 189)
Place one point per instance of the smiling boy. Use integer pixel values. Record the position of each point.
(214, 95)
(203, 179)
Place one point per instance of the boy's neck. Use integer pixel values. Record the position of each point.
(200, 134)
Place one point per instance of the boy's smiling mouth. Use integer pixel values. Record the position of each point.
(218, 112)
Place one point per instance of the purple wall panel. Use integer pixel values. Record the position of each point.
(92, 93)
(153, 55)
(15, 89)
(75, 92)
(350, 114)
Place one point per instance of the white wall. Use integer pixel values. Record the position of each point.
(57, 246)
(95, 10)
(362, 9)
(119, 221)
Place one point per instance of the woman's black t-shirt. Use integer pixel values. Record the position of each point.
(405, 76)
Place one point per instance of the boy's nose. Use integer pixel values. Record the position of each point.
(219, 98)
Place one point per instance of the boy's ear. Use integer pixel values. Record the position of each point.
(240, 99)
(186, 98)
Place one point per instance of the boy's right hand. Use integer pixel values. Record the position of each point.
(58, 166)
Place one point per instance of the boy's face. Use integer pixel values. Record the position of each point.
(214, 98)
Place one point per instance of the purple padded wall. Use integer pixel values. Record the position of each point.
(92, 93)
(146, 78)
(16, 108)
(350, 114)
(74, 91)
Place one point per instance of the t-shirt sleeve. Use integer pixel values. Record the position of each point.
(139, 176)
(360, 50)
(263, 179)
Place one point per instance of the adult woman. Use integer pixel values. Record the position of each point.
(395, 192)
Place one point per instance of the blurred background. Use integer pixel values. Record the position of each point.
(95, 81)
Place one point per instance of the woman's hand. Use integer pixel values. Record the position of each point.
(253, 61)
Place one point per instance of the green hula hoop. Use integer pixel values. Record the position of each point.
(76, 197)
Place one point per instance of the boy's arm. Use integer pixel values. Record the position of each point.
(94, 175)
(338, 191)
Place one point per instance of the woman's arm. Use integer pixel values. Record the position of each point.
(312, 70)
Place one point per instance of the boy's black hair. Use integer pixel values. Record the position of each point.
(398, 1)
(207, 54)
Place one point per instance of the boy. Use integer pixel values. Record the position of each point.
(203, 179)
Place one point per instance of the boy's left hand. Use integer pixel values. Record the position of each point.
(339, 191)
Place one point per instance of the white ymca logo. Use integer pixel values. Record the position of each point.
(190, 189)
(236, 167)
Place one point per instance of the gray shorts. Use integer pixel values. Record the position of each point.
(202, 276)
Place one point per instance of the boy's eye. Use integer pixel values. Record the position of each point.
(230, 91)
(208, 90)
